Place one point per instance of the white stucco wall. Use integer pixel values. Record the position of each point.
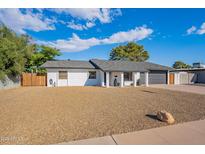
(76, 77)
(102, 78)
(176, 78)
(135, 78)
(128, 83)
(52, 74)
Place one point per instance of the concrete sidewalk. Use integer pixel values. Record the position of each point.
(186, 133)
(184, 88)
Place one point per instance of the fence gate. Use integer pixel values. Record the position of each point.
(30, 79)
(171, 78)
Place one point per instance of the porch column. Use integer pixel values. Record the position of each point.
(146, 79)
(136, 77)
(176, 78)
(102, 78)
(167, 77)
(121, 79)
(107, 79)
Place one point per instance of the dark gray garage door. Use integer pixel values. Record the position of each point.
(157, 77)
(200, 77)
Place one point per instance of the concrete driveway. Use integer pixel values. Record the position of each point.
(190, 133)
(198, 89)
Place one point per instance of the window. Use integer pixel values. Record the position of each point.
(63, 75)
(128, 76)
(92, 75)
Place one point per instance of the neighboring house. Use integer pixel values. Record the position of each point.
(188, 76)
(198, 65)
(107, 73)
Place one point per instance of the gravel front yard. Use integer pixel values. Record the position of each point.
(40, 115)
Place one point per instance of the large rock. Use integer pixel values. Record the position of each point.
(165, 117)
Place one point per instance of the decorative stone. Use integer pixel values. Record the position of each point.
(165, 117)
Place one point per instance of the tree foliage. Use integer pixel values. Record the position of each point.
(18, 54)
(14, 52)
(180, 64)
(41, 55)
(131, 51)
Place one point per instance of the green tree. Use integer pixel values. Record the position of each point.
(41, 55)
(131, 51)
(180, 64)
(18, 54)
(14, 52)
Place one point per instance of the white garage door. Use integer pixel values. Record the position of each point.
(62, 82)
(188, 78)
(77, 78)
(184, 78)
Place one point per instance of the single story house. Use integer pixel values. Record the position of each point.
(106, 73)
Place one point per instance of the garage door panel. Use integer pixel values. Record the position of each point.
(188, 77)
(201, 77)
(77, 78)
(157, 77)
(184, 78)
(62, 82)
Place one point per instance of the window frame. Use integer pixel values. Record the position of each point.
(90, 75)
(129, 77)
(65, 77)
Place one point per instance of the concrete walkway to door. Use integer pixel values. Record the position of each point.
(198, 89)
(185, 133)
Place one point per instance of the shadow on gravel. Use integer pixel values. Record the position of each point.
(147, 91)
(152, 116)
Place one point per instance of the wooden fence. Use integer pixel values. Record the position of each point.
(30, 79)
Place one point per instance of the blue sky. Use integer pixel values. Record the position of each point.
(167, 34)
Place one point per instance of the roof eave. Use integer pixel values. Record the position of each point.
(68, 67)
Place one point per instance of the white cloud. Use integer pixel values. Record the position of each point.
(194, 30)
(202, 29)
(72, 25)
(90, 24)
(75, 26)
(75, 43)
(191, 30)
(139, 33)
(90, 16)
(33, 19)
(19, 22)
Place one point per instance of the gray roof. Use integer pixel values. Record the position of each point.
(118, 65)
(106, 65)
(126, 66)
(154, 67)
(68, 64)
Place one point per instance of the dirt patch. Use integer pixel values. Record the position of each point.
(40, 115)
